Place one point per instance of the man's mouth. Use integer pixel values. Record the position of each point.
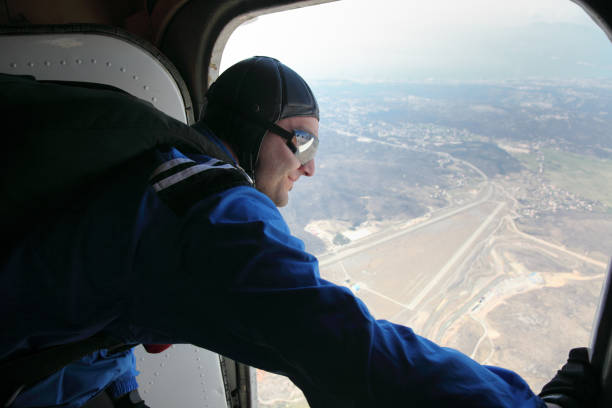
(291, 182)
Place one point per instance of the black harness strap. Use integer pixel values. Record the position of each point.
(183, 185)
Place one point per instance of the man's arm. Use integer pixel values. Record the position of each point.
(246, 289)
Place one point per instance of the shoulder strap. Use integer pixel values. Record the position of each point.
(180, 183)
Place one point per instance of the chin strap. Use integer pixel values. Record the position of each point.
(251, 171)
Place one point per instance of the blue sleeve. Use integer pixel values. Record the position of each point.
(126, 382)
(248, 290)
(78, 382)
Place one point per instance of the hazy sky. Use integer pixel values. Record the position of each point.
(409, 39)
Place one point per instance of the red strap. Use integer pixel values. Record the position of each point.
(156, 348)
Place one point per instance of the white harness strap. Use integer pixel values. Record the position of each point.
(170, 164)
(188, 172)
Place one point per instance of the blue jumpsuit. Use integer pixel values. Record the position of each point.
(227, 276)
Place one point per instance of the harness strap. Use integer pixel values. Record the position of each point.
(181, 183)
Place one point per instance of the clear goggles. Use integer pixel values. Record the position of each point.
(302, 143)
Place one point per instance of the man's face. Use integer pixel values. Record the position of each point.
(277, 168)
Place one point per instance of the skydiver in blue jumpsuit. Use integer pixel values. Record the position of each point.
(223, 272)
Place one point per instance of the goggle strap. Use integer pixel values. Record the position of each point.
(284, 133)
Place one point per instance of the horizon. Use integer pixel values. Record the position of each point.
(441, 40)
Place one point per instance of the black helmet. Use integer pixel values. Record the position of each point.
(249, 96)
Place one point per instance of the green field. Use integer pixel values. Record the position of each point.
(586, 176)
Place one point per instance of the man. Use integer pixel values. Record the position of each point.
(177, 247)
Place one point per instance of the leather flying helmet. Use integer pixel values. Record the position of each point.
(250, 95)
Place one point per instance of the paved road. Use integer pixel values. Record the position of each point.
(392, 233)
(443, 272)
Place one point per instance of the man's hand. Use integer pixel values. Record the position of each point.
(576, 385)
(130, 400)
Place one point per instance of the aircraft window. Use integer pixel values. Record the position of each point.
(464, 169)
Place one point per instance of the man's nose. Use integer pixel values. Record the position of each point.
(308, 168)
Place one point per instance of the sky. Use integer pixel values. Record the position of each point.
(439, 39)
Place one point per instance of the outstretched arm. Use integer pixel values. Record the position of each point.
(249, 291)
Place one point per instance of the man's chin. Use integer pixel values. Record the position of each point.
(282, 201)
